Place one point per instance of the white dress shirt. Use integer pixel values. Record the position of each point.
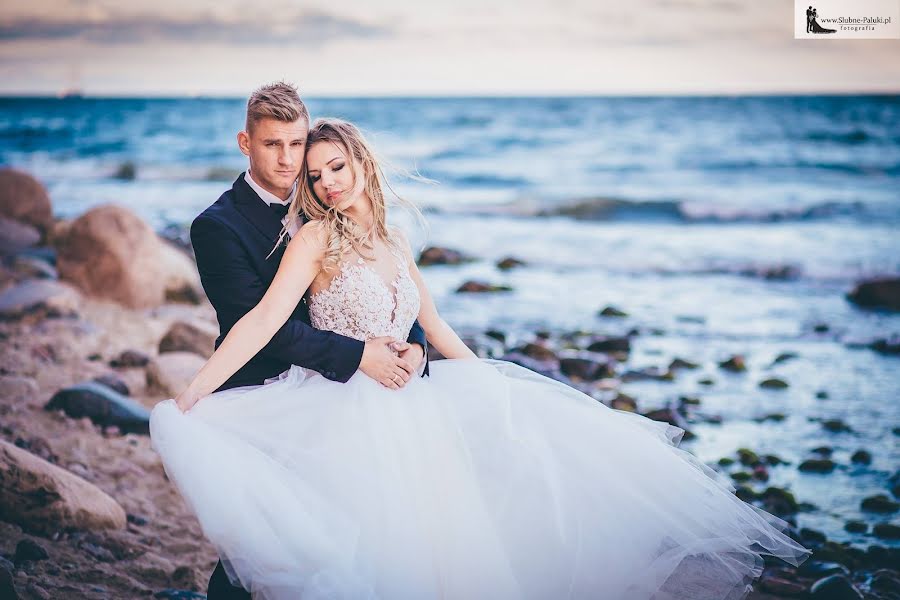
(269, 198)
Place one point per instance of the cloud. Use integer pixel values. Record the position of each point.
(311, 28)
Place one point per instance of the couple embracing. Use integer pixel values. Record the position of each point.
(325, 458)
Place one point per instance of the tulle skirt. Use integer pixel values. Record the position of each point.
(484, 480)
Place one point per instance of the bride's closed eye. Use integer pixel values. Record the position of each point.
(315, 178)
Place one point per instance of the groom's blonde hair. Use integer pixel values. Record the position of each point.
(280, 101)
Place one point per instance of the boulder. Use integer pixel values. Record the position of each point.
(36, 294)
(198, 337)
(182, 281)
(612, 311)
(24, 199)
(610, 344)
(883, 292)
(16, 236)
(834, 587)
(112, 254)
(171, 372)
(736, 364)
(441, 256)
(44, 498)
(102, 405)
(510, 263)
(481, 287)
(130, 359)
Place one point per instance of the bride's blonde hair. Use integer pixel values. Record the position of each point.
(344, 234)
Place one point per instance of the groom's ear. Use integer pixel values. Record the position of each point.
(243, 140)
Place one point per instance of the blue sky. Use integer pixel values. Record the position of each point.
(424, 47)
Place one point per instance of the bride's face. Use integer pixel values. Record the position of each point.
(331, 175)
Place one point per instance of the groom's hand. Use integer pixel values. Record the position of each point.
(414, 354)
(381, 364)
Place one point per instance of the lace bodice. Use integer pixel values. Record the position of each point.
(359, 303)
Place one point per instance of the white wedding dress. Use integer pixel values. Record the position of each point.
(483, 480)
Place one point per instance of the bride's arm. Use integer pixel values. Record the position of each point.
(438, 333)
(301, 262)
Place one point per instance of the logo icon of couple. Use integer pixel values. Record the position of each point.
(812, 26)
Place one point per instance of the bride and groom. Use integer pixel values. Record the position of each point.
(326, 459)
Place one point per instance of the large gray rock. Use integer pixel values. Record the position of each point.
(24, 199)
(198, 337)
(45, 499)
(102, 405)
(877, 293)
(171, 372)
(34, 294)
(16, 236)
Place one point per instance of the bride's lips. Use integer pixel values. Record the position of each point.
(333, 195)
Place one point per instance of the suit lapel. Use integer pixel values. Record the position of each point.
(263, 219)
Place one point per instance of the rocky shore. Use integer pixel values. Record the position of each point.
(101, 317)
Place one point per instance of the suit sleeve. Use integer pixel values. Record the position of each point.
(234, 288)
(417, 336)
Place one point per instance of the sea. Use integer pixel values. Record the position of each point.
(720, 225)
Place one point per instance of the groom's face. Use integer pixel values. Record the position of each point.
(275, 149)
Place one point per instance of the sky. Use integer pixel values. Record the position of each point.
(429, 47)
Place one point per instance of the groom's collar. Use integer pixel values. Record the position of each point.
(249, 204)
(265, 195)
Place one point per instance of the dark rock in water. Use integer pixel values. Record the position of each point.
(103, 406)
(680, 363)
(821, 327)
(760, 473)
(781, 586)
(612, 311)
(7, 587)
(885, 580)
(877, 293)
(510, 263)
(130, 358)
(856, 526)
(886, 345)
(480, 287)
(741, 476)
(648, 374)
(584, 369)
(748, 457)
(688, 400)
(735, 364)
(538, 352)
(29, 550)
(880, 504)
(817, 569)
(610, 344)
(777, 417)
(127, 171)
(441, 256)
(726, 461)
(879, 556)
(672, 417)
(822, 395)
(136, 520)
(774, 460)
(496, 335)
(784, 357)
(773, 383)
(778, 501)
(886, 531)
(706, 381)
(812, 536)
(169, 594)
(825, 451)
(835, 426)
(862, 457)
(774, 273)
(624, 402)
(111, 381)
(817, 465)
(834, 587)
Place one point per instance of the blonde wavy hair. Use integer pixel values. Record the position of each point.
(344, 234)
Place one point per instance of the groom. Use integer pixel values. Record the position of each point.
(233, 240)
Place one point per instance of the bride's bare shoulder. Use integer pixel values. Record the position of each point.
(312, 235)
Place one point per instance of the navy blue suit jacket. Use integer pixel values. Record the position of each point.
(231, 240)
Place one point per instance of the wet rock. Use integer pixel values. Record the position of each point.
(97, 552)
(817, 465)
(886, 531)
(584, 369)
(624, 402)
(880, 504)
(877, 293)
(481, 287)
(30, 267)
(16, 236)
(538, 352)
(835, 426)
(736, 364)
(24, 199)
(7, 587)
(748, 457)
(889, 346)
(862, 457)
(612, 311)
(647, 374)
(113, 382)
(136, 520)
(110, 253)
(29, 550)
(781, 586)
(742, 476)
(44, 498)
(812, 536)
(672, 417)
(496, 335)
(776, 417)
(172, 594)
(822, 395)
(34, 295)
(818, 569)
(784, 357)
(130, 359)
(102, 405)
(821, 327)
(171, 372)
(610, 344)
(774, 460)
(198, 337)
(680, 363)
(825, 451)
(885, 580)
(441, 256)
(706, 381)
(834, 587)
(126, 171)
(510, 263)
(773, 383)
(856, 526)
(726, 461)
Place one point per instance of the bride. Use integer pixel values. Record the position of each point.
(484, 480)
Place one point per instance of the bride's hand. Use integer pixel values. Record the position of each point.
(185, 400)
